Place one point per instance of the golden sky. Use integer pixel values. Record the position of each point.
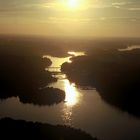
(71, 17)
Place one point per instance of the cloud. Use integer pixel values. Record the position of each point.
(50, 11)
(134, 9)
(21, 5)
(58, 5)
(127, 5)
(122, 19)
(68, 20)
(121, 3)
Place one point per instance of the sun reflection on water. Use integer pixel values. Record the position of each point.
(72, 98)
(71, 94)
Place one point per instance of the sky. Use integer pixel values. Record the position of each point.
(99, 18)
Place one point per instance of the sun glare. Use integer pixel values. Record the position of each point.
(72, 3)
(71, 94)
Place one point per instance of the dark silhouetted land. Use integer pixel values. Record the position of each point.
(115, 74)
(17, 129)
(23, 75)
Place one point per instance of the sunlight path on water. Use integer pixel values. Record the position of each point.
(71, 93)
(72, 96)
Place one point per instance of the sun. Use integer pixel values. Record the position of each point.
(72, 4)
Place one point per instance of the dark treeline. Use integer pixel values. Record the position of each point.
(116, 75)
(22, 74)
(17, 129)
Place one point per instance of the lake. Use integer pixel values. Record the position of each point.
(82, 109)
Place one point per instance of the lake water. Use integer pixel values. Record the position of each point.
(82, 109)
(130, 48)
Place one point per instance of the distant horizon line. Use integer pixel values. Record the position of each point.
(67, 36)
